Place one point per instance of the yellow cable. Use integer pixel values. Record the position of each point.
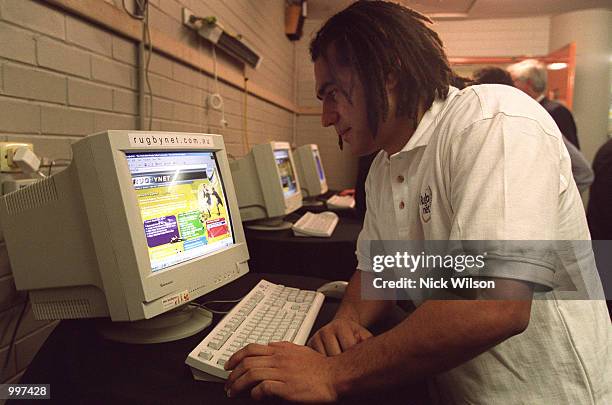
(246, 132)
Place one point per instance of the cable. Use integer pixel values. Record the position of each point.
(215, 100)
(134, 16)
(143, 6)
(56, 162)
(200, 80)
(222, 301)
(246, 132)
(147, 31)
(13, 338)
(214, 311)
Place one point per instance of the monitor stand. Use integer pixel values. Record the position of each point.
(270, 224)
(168, 327)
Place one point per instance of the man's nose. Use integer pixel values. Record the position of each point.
(328, 118)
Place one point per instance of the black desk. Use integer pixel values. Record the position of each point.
(280, 252)
(84, 368)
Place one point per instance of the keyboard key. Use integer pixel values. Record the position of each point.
(205, 355)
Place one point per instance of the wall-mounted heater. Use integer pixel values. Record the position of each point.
(210, 29)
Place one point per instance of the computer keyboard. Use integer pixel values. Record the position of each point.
(341, 202)
(268, 313)
(310, 224)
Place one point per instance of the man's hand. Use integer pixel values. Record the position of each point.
(338, 336)
(283, 369)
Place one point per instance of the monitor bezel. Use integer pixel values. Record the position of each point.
(149, 288)
(309, 175)
(294, 201)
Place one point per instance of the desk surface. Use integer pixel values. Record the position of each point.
(84, 368)
(281, 252)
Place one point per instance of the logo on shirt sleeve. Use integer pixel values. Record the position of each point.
(425, 203)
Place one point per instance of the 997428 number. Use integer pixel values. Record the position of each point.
(25, 391)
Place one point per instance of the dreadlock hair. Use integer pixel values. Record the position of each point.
(377, 38)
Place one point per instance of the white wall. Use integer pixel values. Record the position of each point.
(62, 77)
(592, 32)
(495, 37)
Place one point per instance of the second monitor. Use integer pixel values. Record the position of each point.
(267, 186)
(311, 174)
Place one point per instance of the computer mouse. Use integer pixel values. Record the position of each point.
(333, 289)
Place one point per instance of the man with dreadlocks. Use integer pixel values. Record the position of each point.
(484, 163)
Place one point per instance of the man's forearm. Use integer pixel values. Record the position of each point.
(437, 337)
(363, 312)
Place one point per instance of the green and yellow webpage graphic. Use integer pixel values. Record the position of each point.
(182, 205)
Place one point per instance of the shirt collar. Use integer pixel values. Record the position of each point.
(422, 135)
(540, 98)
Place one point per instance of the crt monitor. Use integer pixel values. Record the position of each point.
(138, 225)
(310, 172)
(267, 185)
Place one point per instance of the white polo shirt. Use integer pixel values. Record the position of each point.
(488, 163)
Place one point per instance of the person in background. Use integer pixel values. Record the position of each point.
(492, 75)
(581, 170)
(531, 77)
(599, 212)
(484, 163)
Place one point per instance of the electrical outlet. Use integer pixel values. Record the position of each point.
(187, 18)
(7, 151)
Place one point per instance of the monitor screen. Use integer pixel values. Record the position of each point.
(317, 158)
(288, 182)
(182, 204)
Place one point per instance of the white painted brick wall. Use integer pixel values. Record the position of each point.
(83, 93)
(124, 50)
(24, 82)
(34, 15)
(103, 122)
(161, 108)
(125, 101)
(113, 72)
(17, 44)
(62, 78)
(18, 116)
(56, 55)
(66, 121)
(90, 37)
(160, 65)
